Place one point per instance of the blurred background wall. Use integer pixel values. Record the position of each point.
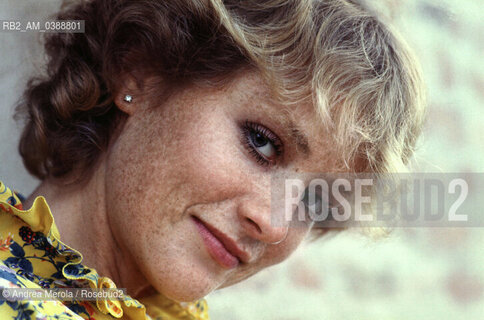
(413, 274)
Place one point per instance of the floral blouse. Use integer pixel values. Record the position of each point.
(32, 256)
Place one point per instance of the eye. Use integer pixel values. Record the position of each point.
(262, 143)
(320, 206)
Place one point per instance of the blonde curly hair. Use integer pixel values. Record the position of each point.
(362, 79)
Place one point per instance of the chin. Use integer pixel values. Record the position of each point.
(184, 282)
(186, 290)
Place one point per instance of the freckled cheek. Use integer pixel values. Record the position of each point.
(212, 162)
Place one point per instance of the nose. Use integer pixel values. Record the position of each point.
(258, 223)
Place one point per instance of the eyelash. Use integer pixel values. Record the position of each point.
(251, 127)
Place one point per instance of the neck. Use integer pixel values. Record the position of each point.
(80, 215)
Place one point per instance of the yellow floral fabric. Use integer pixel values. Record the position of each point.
(32, 256)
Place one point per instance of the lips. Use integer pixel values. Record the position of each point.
(221, 248)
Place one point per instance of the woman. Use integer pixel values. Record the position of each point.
(157, 131)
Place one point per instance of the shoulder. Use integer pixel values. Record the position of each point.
(13, 306)
(10, 197)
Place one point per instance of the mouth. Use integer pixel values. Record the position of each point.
(221, 248)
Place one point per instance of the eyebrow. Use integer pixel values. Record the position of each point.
(297, 135)
(300, 139)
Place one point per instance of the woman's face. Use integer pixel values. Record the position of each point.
(188, 184)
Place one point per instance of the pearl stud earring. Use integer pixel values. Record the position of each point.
(128, 98)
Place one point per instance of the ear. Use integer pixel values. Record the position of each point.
(128, 96)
